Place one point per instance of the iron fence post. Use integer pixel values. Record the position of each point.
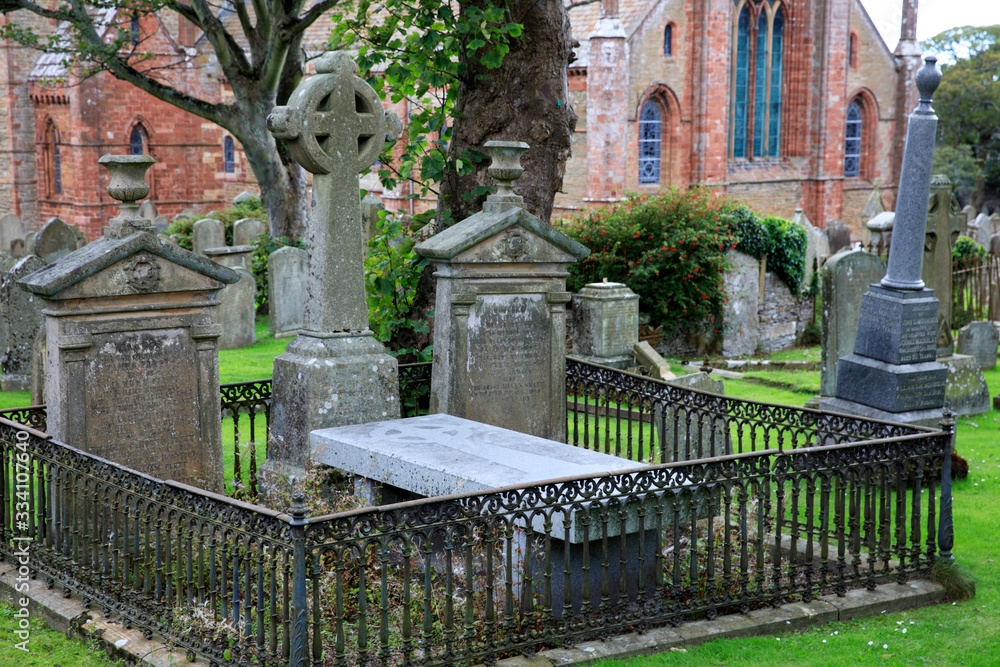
(946, 529)
(299, 649)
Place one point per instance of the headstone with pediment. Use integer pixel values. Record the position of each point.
(132, 358)
(335, 372)
(500, 323)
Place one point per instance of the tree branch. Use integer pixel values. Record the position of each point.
(579, 3)
(299, 25)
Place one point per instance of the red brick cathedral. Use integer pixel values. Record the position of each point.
(784, 104)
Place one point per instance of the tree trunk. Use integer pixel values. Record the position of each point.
(525, 99)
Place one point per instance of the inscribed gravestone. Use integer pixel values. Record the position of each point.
(500, 327)
(606, 323)
(839, 236)
(287, 269)
(207, 233)
(236, 313)
(980, 340)
(11, 230)
(148, 210)
(740, 323)
(334, 373)
(20, 317)
(54, 240)
(246, 231)
(143, 349)
(846, 277)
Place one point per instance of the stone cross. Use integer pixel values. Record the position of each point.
(906, 253)
(944, 224)
(335, 127)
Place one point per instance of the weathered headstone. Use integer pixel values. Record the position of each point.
(38, 367)
(817, 245)
(980, 230)
(994, 246)
(162, 222)
(892, 373)
(874, 205)
(846, 277)
(966, 392)
(740, 323)
(246, 231)
(979, 340)
(944, 224)
(132, 368)
(839, 236)
(880, 231)
(606, 323)
(148, 210)
(20, 317)
(54, 240)
(236, 312)
(207, 233)
(370, 207)
(17, 248)
(81, 238)
(11, 229)
(969, 211)
(186, 214)
(334, 373)
(243, 197)
(500, 324)
(287, 269)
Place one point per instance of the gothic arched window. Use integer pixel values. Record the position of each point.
(668, 47)
(650, 134)
(137, 141)
(760, 42)
(53, 161)
(229, 155)
(852, 141)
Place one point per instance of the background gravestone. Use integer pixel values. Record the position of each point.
(846, 277)
(236, 312)
(54, 240)
(287, 269)
(20, 317)
(969, 211)
(839, 236)
(740, 322)
(944, 224)
(11, 229)
(687, 431)
(148, 210)
(370, 207)
(606, 323)
(500, 322)
(38, 367)
(246, 231)
(817, 245)
(242, 197)
(207, 233)
(979, 340)
(137, 384)
(981, 229)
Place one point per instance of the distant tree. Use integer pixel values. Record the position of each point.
(968, 107)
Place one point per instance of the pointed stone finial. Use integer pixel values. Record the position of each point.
(505, 168)
(127, 185)
(928, 79)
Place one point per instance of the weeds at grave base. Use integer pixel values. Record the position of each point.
(958, 582)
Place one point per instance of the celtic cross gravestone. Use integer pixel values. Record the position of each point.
(334, 373)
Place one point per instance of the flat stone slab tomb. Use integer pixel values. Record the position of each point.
(438, 455)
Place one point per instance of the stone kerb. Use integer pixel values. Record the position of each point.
(207, 233)
(287, 269)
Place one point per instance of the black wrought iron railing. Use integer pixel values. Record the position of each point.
(806, 503)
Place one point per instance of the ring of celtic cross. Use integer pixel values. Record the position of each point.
(332, 118)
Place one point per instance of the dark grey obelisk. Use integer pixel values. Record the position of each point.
(892, 374)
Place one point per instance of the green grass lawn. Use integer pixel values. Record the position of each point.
(46, 648)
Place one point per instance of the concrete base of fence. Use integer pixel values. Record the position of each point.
(69, 615)
(793, 616)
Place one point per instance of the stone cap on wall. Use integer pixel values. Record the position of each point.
(99, 255)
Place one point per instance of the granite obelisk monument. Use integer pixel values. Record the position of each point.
(334, 373)
(892, 373)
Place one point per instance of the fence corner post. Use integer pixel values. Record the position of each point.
(298, 655)
(946, 529)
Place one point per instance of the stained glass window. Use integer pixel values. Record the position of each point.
(760, 86)
(56, 163)
(852, 143)
(135, 141)
(774, 113)
(650, 133)
(738, 124)
(667, 41)
(229, 155)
